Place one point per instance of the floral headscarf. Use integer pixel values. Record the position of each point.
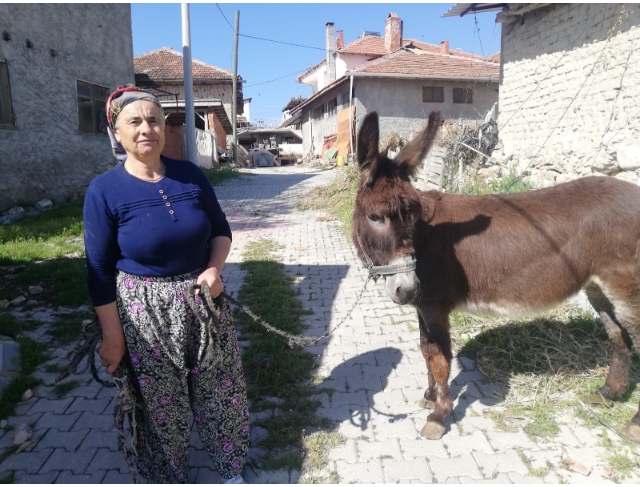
(115, 103)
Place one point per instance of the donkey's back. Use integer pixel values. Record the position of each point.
(518, 253)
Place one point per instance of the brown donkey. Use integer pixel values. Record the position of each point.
(505, 254)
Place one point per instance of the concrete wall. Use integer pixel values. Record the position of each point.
(401, 109)
(45, 155)
(562, 59)
(315, 129)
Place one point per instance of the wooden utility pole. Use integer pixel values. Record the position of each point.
(234, 115)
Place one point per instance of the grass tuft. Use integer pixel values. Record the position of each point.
(338, 197)
(217, 176)
(272, 369)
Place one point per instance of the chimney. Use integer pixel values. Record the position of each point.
(444, 47)
(331, 48)
(293, 98)
(392, 33)
(340, 40)
(299, 97)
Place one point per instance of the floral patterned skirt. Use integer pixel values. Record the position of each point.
(172, 376)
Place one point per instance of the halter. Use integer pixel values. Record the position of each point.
(377, 271)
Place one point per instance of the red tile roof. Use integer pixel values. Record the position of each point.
(166, 64)
(423, 62)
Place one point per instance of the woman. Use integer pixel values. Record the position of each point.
(153, 228)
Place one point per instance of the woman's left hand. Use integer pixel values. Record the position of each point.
(212, 277)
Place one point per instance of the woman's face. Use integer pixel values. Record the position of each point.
(140, 130)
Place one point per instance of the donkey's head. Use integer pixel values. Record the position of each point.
(388, 206)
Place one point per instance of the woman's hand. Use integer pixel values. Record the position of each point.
(111, 351)
(212, 277)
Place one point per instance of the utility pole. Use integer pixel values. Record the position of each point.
(189, 106)
(234, 114)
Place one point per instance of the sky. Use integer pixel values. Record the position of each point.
(260, 61)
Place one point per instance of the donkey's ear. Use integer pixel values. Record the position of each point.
(412, 154)
(368, 147)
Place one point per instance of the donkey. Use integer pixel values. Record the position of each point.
(499, 254)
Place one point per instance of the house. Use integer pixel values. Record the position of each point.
(569, 89)
(58, 64)
(401, 79)
(162, 72)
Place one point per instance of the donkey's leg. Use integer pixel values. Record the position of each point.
(438, 356)
(617, 381)
(428, 400)
(623, 290)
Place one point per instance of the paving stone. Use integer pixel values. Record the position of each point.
(422, 448)
(61, 459)
(505, 440)
(116, 477)
(55, 406)
(16, 421)
(469, 376)
(95, 406)
(31, 462)
(278, 477)
(107, 460)
(199, 458)
(518, 478)
(360, 473)
(500, 463)
(358, 398)
(475, 442)
(208, 476)
(68, 477)
(102, 422)
(345, 452)
(466, 363)
(401, 472)
(502, 478)
(24, 478)
(96, 438)
(54, 438)
(404, 428)
(443, 468)
(62, 422)
(338, 414)
(369, 450)
(23, 407)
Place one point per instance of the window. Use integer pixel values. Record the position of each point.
(91, 99)
(432, 94)
(462, 95)
(332, 106)
(318, 113)
(6, 108)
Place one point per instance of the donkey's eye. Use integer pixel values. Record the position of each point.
(376, 218)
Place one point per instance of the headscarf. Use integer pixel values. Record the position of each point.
(115, 103)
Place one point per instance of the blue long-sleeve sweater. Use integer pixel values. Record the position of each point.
(156, 229)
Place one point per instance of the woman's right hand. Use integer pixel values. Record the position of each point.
(111, 351)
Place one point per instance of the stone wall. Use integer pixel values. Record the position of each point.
(401, 109)
(566, 65)
(45, 155)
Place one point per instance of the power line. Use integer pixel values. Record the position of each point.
(283, 42)
(276, 79)
(225, 17)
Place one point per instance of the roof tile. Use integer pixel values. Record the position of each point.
(166, 64)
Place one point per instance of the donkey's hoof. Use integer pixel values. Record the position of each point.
(432, 430)
(606, 392)
(632, 432)
(426, 403)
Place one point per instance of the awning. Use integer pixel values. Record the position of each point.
(214, 106)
